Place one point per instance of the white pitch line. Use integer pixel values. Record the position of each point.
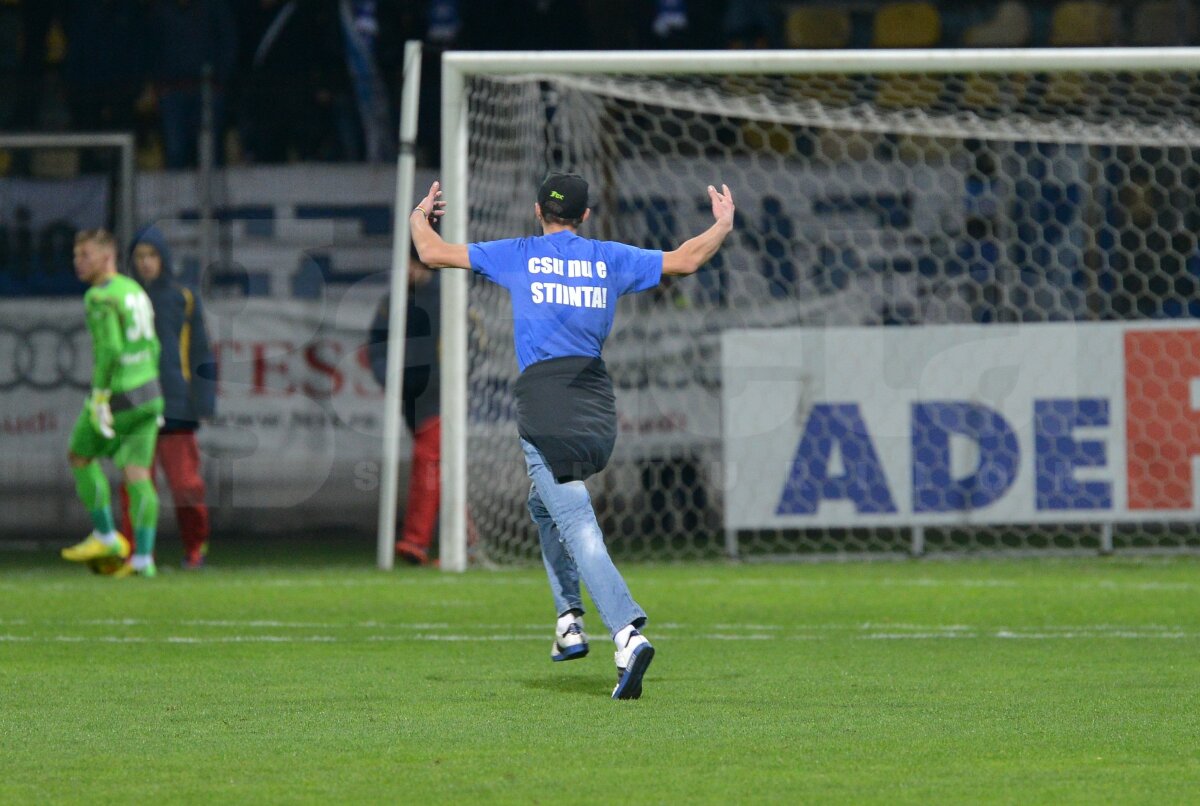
(1002, 634)
(931, 582)
(1120, 634)
(500, 627)
(453, 638)
(312, 625)
(909, 636)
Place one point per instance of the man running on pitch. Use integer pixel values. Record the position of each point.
(564, 291)
(122, 415)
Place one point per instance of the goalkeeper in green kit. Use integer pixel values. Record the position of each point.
(121, 417)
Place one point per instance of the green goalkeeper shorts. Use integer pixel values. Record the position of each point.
(136, 432)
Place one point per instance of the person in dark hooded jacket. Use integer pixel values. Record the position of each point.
(187, 372)
(421, 401)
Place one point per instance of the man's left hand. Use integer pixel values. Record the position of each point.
(722, 204)
(100, 412)
(432, 205)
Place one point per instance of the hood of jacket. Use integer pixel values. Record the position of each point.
(153, 236)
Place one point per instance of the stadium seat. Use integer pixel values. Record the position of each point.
(906, 25)
(1164, 22)
(983, 92)
(1010, 27)
(817, 27)
(916, 91)
(150, 154)
(762, 136)
(55, 163)
(1071, 91)
(831, 90)
(56, 44)
(1082, 23)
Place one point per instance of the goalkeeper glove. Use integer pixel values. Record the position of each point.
(100, 413)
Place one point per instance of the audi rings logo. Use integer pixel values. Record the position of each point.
(45, 356)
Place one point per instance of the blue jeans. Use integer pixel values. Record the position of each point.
(573, 547)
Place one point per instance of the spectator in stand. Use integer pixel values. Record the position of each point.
(11, 54)
(187, 372)
(37, 17)
(749, 24)
(421, 401)
(187, 38)
(444, 22)
(296, 101)
(560, 24)
(105, 66)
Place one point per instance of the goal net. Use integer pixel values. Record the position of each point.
(874, 190)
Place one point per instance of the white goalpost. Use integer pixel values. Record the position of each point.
(398, 310)
(913, 190)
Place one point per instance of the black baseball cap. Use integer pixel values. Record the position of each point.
(564, 195)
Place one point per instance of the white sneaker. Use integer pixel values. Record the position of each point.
(570, 642)
(632, 662)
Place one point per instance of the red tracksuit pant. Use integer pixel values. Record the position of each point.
(424, 484)
(179, 458)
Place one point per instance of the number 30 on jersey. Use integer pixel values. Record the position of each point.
(141, 317)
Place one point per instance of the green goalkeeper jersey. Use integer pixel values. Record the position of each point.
(124, 344)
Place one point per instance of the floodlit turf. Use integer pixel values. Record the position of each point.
(930, 682)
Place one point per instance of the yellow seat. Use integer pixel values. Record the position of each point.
(55, 163)
(982, 92)
(1068, 90)
(1082, 23)
(151, 155)
(832, 90)
(1164, 22)
(812, 27)
(1080, 93)
(1010, 27)
(985, 92)
(906, 25)
(765, 136)
(839, 145)
(908, 91)
(56, 44)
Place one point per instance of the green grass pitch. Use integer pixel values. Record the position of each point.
(1030, 681)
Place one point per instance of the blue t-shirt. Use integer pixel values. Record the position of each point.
(564, 289)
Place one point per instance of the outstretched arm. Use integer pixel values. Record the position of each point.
(435, 252)
(695, 252)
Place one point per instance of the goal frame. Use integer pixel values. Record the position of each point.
(123, 142)
(458, 67)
